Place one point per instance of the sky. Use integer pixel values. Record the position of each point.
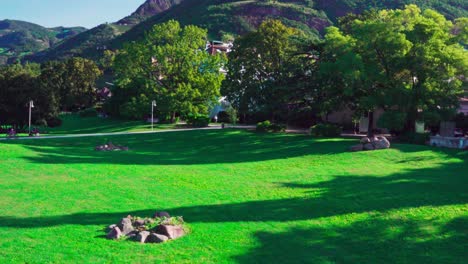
(53, 13)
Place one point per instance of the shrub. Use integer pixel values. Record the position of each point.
(414, 138)
(326, 130)
(90, 112)
(197, 120)
(263, 126)
(54, 122)
(267, 126)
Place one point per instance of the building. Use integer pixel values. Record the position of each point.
(463, 106)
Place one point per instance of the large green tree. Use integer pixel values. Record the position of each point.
(169, 65)
(260, 68)
(405, 61)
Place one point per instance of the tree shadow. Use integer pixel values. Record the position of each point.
(183, 148)
(370, 241)
(440, 186)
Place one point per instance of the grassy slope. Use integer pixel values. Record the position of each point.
(249, 198)
(73, 124)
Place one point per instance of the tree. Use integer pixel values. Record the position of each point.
(259, 67)
(170, 65)
(79, 76)
(405, 60)
(18, 85)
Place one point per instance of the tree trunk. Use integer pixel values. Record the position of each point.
(173, 117)
(370, 127)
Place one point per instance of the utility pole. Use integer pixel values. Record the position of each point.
(153, 104)
(31, 105)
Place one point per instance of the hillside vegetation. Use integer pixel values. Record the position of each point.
(227, 18)
(19, 38)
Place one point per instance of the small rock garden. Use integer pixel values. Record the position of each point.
(110, 147)
(374, 143)
(157, 229)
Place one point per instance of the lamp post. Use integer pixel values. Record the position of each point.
(153, 105)
(31, 105)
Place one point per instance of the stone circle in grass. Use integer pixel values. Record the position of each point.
(157, 229)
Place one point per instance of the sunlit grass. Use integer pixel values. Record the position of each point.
(248, 198)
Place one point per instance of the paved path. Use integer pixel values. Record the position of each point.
(124, 133)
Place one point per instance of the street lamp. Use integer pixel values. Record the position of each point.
(153, 105)
(31, 105)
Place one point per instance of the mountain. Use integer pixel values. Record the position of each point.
(230, 18)
(19, 38)
(91, 43)
(147, 10)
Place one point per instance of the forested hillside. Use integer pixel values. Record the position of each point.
(229, 18)
(19, 38)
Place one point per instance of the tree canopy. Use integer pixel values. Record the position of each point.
(170, 65)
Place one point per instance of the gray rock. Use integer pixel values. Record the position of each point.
(365, 140)
(162, 215)
(143, 236)
(368, 146)
(382, 143)
(115, 233)
(126, 226)
(357, 148)
(170, 231)
(139, 222)
(157, 238)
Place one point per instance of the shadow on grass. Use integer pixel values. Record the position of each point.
(371, 241)
(183, 148)
(444, 185)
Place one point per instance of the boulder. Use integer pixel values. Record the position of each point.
(157, 238)
(382, 143)
(143, 236)
(115, 233)
(161, 215)
(357, 148)
(368, 146)
(126, 226)
(139, 222)
(170, 231)
(365, 140)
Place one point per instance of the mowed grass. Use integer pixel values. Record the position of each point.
(74, 124)
(248, 198)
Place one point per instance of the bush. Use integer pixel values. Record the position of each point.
(54, 122)
(196, 120)
(90, 112)
(326, 130)
(267, 126)
(263, 126)
(414, 138)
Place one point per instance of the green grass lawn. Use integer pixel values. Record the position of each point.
(74, 124)
(248, 198)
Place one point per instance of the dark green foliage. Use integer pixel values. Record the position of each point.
(89, 112)
(393, 121)
(54, 122)
(414, 138)
(326, 130)
(197, 120)
(267, 126)
(223, 117)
